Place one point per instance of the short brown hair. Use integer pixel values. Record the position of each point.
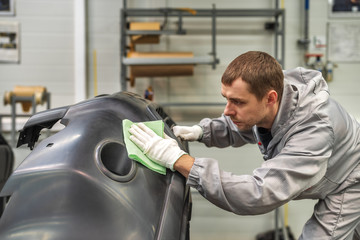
(260, 70)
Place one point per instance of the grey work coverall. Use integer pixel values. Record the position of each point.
(314, 153)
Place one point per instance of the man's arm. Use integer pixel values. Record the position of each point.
(184, 164)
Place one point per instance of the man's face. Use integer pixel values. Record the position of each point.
(244, 109)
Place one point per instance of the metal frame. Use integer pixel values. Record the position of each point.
(200, 13)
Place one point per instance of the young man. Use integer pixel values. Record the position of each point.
(310, 144)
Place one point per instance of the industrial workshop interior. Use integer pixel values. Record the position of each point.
(72, 61)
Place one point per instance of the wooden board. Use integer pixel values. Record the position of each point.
(146, 26)
(160, 70)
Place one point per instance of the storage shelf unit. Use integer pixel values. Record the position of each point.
(278, 23)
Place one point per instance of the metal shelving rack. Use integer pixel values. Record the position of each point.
(277, 14)
(278, 27)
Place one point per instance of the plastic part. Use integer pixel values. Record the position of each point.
(65, 188)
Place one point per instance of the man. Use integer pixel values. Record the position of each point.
(310, 144)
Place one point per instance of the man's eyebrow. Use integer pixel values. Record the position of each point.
(233, 98)
(240, 100)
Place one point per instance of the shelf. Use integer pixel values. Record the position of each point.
(173, 12)
(167, 61)
(278, 31)
(153, 32)
(277, 22)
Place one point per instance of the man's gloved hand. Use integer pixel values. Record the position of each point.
(164, 151)
(193, 133)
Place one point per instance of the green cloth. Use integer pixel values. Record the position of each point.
(135, 153)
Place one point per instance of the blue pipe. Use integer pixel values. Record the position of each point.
(306, 4)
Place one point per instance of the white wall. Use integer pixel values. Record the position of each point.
(47, 58)
(46, 50)
(103, 23)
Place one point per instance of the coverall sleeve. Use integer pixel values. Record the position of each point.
(221, 132)
(300, 164)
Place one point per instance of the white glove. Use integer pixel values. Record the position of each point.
(193, 133)
(164, 151)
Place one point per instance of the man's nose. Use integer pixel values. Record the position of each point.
(228, 111)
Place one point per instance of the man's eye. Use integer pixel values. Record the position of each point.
(237, 102)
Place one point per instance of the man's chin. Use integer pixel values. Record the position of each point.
(243, 127)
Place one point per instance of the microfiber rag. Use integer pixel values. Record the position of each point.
(135, 153)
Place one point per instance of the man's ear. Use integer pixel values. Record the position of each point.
(272, 97)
